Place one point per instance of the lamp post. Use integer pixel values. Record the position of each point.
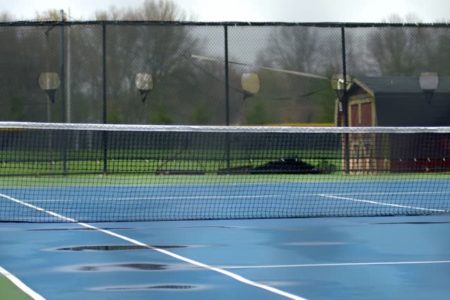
(428, 82)
(49, 82)
(341, 85)
(144, 84)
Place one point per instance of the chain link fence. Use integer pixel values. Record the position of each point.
(199, 70)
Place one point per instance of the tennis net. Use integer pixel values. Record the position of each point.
(105, 173)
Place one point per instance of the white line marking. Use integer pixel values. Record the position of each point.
(384, 203)
(22, 286)
(349, 264)
(162, 251)
(395, 193)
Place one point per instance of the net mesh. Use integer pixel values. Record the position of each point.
(105, 173)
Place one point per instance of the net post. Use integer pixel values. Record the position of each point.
(104, 99)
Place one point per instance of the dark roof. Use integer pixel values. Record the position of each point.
(399, 109)
(399, 101)
(402, 84)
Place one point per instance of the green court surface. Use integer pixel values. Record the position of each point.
(10, 291)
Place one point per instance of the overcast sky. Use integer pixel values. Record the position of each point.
(253, 10)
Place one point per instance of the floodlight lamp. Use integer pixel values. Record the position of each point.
(144, 84)
(250, 84)
(428, 82)
(49, 82)
(340, 85)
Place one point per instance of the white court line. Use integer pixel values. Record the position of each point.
(348, 264)
(22, 286)
(394, 193)
(384, 203)
(162, 251)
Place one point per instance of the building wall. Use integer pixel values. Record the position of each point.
(376, 153)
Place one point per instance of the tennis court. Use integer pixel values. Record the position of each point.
(114, 211)
(95, 209)
(345, 258)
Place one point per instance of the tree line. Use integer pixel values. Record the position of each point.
(192, 91)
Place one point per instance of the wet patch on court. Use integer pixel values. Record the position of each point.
(412, 223)
(116, 247)
(134, 266)
(155, 287)
(76, 229)
(315, 243)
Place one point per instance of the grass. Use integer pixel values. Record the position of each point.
(142, 171)
(136, 165)
(11, 292)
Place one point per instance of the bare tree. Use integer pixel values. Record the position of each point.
(151, 10)
(24, 55)
(5, 17)
(49, 15)
(164, 51)
(400, 50)
(303, 49)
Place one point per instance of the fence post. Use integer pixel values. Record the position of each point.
(227, 83)
(227, 97)
(104, 99)
(345, 103)
(63, 89)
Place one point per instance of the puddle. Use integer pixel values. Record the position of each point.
(75, 229)
(315, 243)
(156, 287)
(130, 266)
(124, 266)
(115, 247)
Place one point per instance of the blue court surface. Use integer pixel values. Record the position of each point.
(334, 258)
(403, 257)
(227, 201)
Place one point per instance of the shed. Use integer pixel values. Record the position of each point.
(398, 101)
